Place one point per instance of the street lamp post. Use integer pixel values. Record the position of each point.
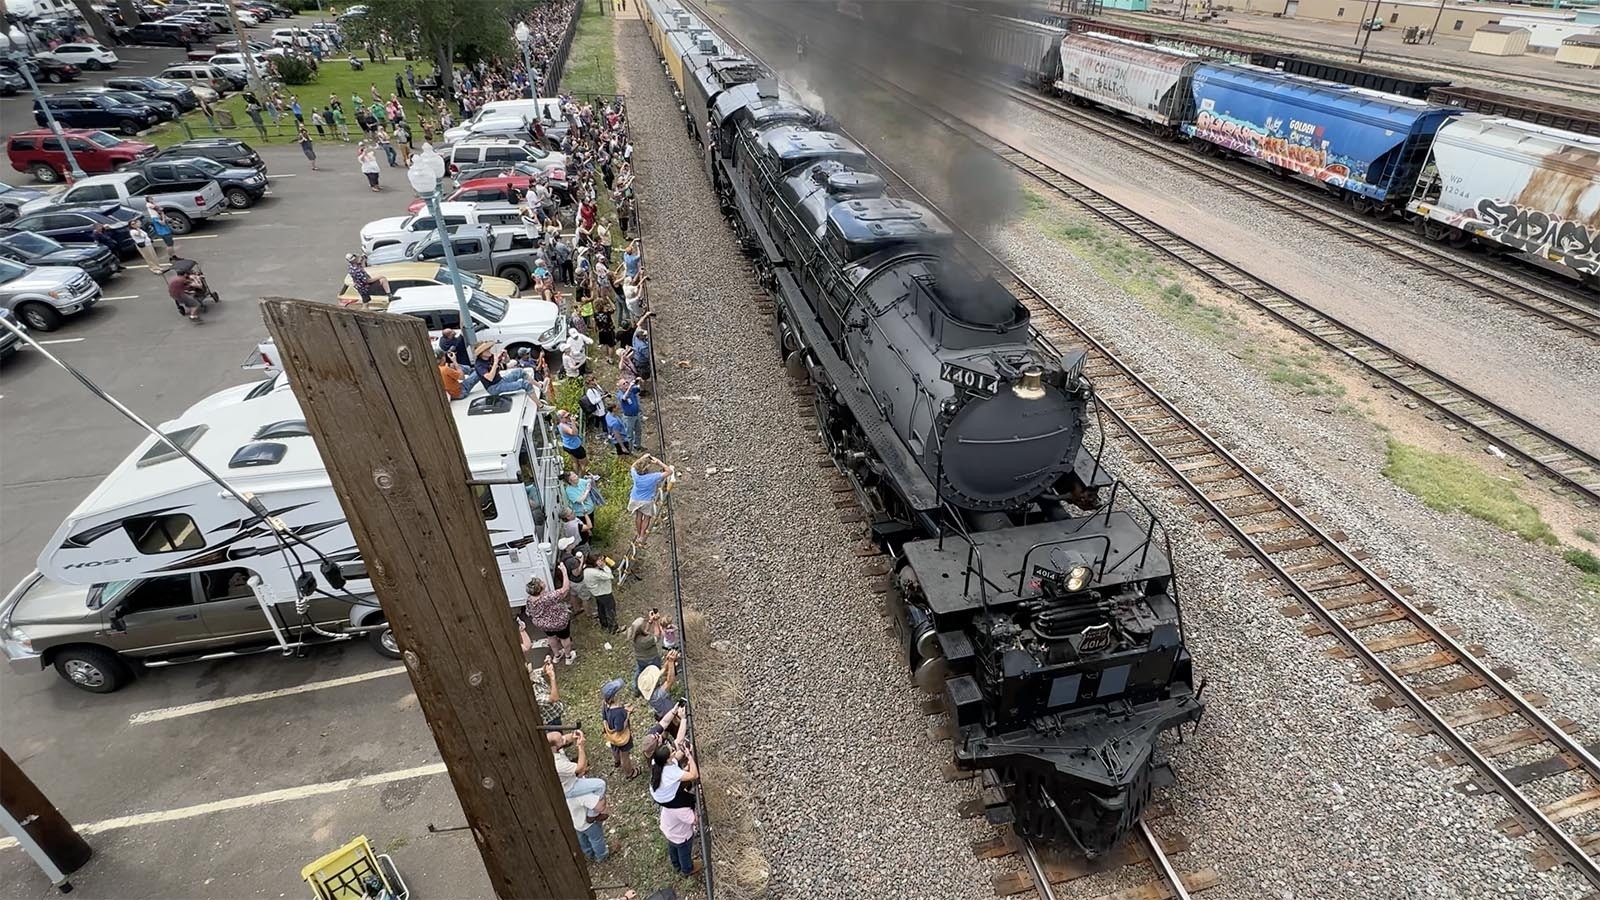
(426, 173)
(525, 39)
(74, 172)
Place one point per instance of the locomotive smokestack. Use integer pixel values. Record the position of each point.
(1030, 387)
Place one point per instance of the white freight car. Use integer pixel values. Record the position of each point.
(1146, 82)
(1535, 190)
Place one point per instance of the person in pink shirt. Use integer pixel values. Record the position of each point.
(673, 773)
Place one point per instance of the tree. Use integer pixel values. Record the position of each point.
(445, 29)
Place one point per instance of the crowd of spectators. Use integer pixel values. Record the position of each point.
(593, 268)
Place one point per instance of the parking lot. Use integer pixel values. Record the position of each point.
(224, 778)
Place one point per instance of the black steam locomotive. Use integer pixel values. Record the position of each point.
(1032, 589)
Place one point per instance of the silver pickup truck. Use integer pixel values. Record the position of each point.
(504, 251)
(180, 208)
(41, 296)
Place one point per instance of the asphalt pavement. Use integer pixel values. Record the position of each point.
(282, 759)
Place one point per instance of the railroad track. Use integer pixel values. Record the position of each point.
(1559, 306)
(1489, 725)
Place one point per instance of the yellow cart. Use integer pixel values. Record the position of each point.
(354, 872)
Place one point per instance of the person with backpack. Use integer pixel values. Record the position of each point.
(617, 726)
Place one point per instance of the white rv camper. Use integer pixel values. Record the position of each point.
(168, 567)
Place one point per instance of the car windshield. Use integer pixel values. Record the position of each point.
(32, 243)
(492, 308)
(468, 280)
(162, 84)
(208, 166)
(10, 269)
(103, 139)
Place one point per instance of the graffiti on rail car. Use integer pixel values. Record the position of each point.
(1535, 231)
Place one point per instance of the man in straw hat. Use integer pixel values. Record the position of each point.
(496, 373)
(655, 685)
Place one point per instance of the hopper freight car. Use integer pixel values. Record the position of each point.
(1534, 190)
(1148, 83)
(1369, 146)
(1016, 47)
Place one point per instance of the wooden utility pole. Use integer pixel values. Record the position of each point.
(370, 391)
(44, 831)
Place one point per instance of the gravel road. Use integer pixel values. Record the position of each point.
(844, 787)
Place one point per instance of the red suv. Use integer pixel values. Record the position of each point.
(39, 153)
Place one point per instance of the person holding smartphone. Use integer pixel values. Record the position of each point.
(496, 373)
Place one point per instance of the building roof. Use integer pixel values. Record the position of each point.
(1503, 29)
(1582, 40)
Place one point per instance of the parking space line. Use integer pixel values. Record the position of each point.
(282, 175)
(250, 801)
(193, 237)
(191, 709)
(63, 341)
(122, 297)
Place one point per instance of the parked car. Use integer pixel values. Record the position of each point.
(480, 153)
(201, 74)
(241, 186)
(40, 250)
(41, 296)
(96, 111)
(504, 252)
(40, 154)
(76, 225)
(161, 34)
(228, 151)
(171, 92)
(11, 83)
(391, 230)
(291, 37)
(515, 324)
(85, 56)
(10, 343)
(12, 199)
(404, 275)
(165, 110)
(46, 69)
(181, 203)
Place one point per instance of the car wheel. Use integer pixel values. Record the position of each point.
(40, 316)
(516, 349)
(128, 127)
(238, 198)
(93, 669)
(178, 222)
(383, 641)
(55, 78)
(93, 65)
(44, 172)
(517, 276)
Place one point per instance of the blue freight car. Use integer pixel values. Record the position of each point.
(1367, 144)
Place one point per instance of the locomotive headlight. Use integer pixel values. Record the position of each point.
(1077, 578)
(1030, 387)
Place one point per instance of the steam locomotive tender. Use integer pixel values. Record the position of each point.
(1033, 590)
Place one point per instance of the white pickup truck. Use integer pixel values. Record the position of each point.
(397, 229)
(180, 208)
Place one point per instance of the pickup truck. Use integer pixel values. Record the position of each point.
(397, 229)
(503, 251)
(180, 208)
(41, 295)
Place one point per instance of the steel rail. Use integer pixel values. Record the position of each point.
(1191, 433)
(1163, 864)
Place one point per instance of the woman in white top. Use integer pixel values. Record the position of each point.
(369, 165)
(141, 241)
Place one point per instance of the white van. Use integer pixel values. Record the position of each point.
(546, 109)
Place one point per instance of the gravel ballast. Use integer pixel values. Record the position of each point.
(843, 784)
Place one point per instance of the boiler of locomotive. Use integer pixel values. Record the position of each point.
(993, 418)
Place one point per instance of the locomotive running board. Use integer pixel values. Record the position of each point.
(896, 457)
